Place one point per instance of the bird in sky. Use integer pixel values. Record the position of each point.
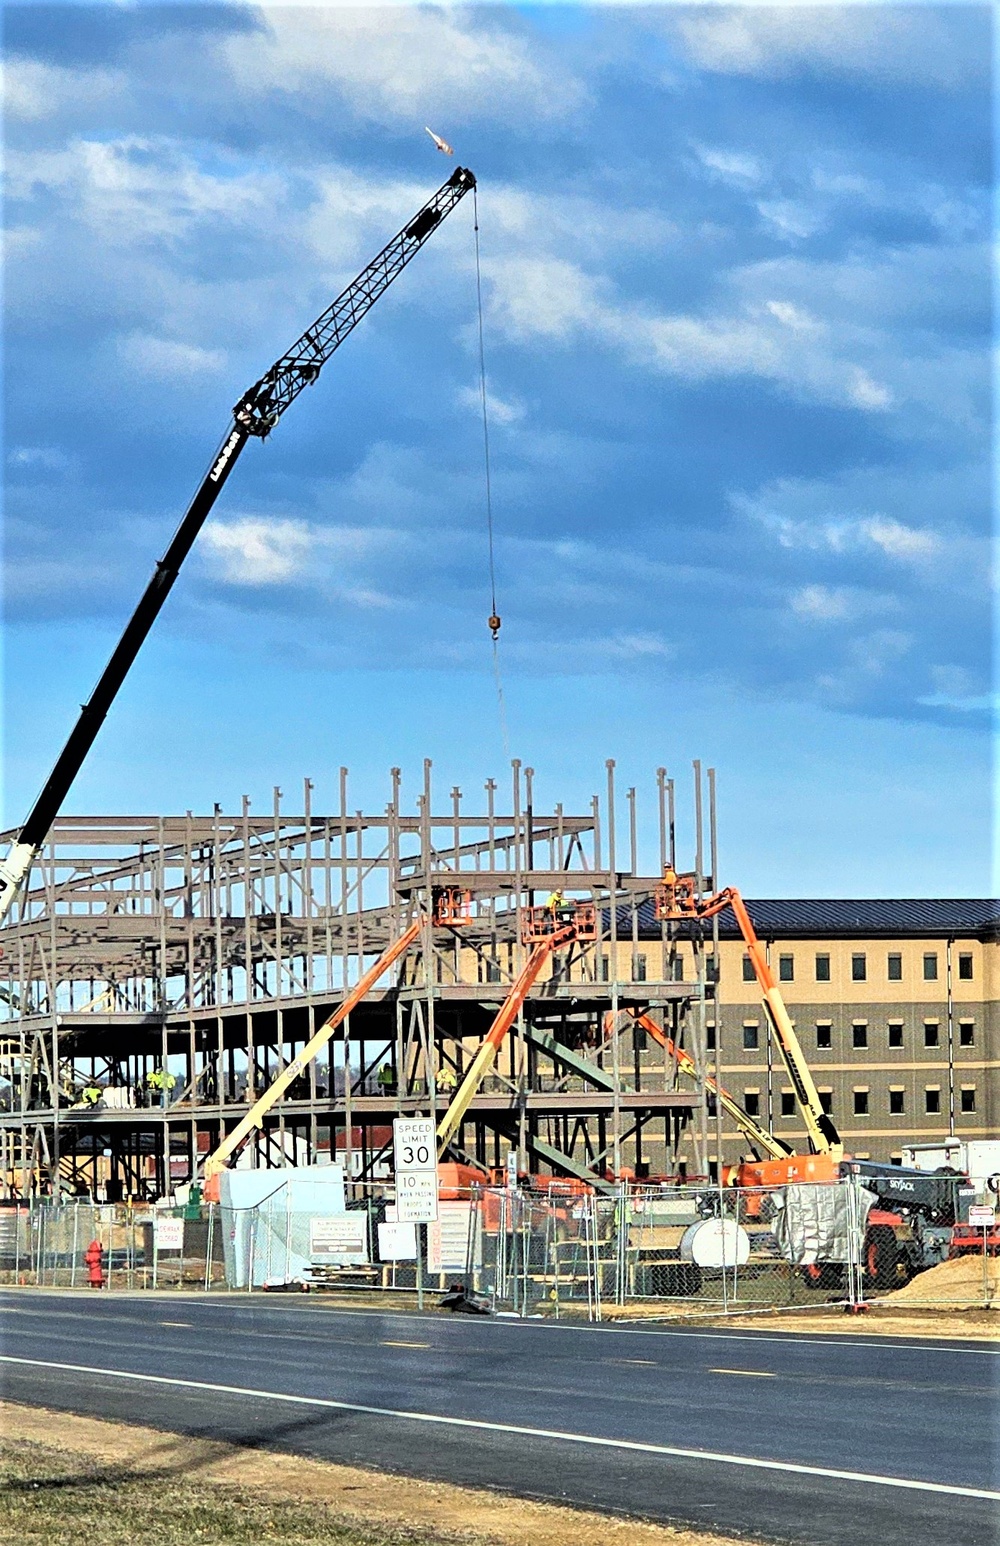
(441, 144)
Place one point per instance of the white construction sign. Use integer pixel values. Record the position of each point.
(340, 1239)
(168, 1234)
(448, 1238)
(416, 1170)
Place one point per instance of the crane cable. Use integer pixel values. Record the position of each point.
(494, 618)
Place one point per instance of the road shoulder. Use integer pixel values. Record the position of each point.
(354, 1497)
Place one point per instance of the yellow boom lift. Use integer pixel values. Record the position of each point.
(449, 911)
(546, 929)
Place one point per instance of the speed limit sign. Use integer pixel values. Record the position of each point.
(416, 1169)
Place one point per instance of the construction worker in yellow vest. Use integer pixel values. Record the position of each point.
(160, 1082)
(92, 1094)
(446, 1081)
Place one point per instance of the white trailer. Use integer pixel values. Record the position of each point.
(978, 1158)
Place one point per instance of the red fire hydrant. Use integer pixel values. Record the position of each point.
(94, 1257)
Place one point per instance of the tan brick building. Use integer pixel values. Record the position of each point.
(895, 1004)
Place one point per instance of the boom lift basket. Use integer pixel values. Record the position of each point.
(452, 906)
(577, 919)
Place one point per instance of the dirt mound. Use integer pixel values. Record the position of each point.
(957, 1282)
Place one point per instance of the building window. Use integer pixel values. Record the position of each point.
(897, 1103)
(605, 968)
(931, 1033)
(749, 975)
(751, 1102)
(932, 1100)
(860, 1032)
(895, 972)
(824, 1036)
(710, 1036)
(930, 967)
(965, 968)
(966, 1033)
(711, 968)
(786, 968)
(861, 1103)
(751, 1038)
(826, 1100)
(895, 1035)
(492, 970)
(967, 1098)
(787, 1103)
(677, 966)
(859, 968)
(638, 968)
(822, 968)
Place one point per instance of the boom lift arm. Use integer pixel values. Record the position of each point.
(548, 932)
(676, 901)
(256, 414)
(758, 1136)
(449, 910)
(254, 1118)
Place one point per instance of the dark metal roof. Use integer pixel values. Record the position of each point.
(959, 917)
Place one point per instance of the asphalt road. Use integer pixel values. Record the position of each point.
(828, 1441)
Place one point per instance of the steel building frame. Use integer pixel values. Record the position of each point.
(213, 946)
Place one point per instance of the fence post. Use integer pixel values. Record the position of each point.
(986, 1270)
(855, 1247)
(208, 1245)
(76, 1234)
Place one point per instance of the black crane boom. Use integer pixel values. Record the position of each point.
(256, 414)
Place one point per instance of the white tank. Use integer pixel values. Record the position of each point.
(716, 1243)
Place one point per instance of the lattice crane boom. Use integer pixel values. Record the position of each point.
(255, 415)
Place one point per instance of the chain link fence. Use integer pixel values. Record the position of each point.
(561, 1250)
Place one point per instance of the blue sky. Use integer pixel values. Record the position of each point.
(737, 322)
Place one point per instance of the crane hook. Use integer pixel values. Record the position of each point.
(493, 622)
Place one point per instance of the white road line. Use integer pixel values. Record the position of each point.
(750, 1461)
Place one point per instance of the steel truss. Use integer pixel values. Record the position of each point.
(211, 947)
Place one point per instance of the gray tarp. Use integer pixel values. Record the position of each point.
(813, 1223)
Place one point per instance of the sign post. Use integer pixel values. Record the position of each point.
(984, 1218)
(415, 1150)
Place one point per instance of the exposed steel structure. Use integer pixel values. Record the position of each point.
(161, 974)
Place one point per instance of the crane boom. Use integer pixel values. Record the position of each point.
(256, 414)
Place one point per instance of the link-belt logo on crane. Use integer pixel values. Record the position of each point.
(224, 455)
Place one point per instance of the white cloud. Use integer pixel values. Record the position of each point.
(48, 458)
(896, 540)
(404, 64)
(253, 551)
(821, 603)
(791, 219)
(886, 43)
(261, 551)
(500, 410)
(731, 166)
(32, 90)
(168, 358)
(549, 297)
(136, 188)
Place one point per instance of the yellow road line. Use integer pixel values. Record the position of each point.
(406, 1344)
(188, 1325)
